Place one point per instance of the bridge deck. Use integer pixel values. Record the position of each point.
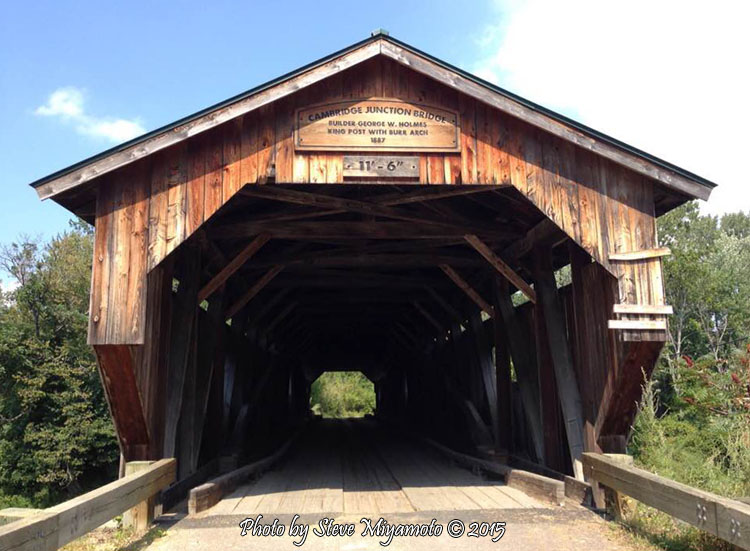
(356, 466)
(352, 469)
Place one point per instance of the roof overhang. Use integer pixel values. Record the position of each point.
(667, 174)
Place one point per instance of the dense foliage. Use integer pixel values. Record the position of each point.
(56, 438)
(694, 422)
(342, 394)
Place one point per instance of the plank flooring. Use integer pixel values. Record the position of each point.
(357, 466)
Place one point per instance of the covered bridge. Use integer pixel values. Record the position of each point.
(377, 210)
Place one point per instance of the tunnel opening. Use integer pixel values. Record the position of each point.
(342, 395)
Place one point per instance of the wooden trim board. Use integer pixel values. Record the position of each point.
(209, 494)
(638, 325)
(641, 255)
(61, 524)
(645, 309)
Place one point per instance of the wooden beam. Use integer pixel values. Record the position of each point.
(425, 193)
(57, 526)
(457, 316)
(365, 259)
(641, 255)
(209, 362)
(568, 392)
(468, 289)
(118, 377)
(429, 317)
(264, 307)
(279, 317)
(419, 247)
(376, 208)
(504, 383)
(248, 295)
(543, 232)
(394, 199)
(645, 309)
(717, 515)
(235, 264)
(638, 325)
(311, 231)
(499, 265)
(524, 362)
(487, 372)
(181, 336)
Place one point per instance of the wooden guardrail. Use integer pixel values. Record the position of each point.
(52, 528)
(207, 495)
(725, 518)
(533, 484)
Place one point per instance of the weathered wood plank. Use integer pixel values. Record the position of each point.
(235, 264)
(645, 325)
(347, 230)
(158, 212)
(232, 141)
(214, 192)
(641, 255)
(499, 265)
(650, 309)
(248, 295)
(565, 376)
(720, 516)
(176, 194)
(183, 316)
(196, 183)
(468, 289)
(118, 378)
(61, 524)
(504, 383)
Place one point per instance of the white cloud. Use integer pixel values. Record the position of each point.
(63, 102)
(670, 76)
(67, 104)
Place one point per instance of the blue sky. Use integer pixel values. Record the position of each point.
(76, 77)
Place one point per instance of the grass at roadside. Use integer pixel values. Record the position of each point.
(114, 539)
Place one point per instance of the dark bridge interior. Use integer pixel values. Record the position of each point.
(396, 291)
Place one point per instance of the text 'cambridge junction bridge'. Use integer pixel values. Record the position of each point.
(378, 211)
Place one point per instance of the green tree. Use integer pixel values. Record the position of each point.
(56, 438)
(707, 281)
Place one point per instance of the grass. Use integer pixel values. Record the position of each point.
(108, 538)
(342, 394)
(703, 447)
(647, 525)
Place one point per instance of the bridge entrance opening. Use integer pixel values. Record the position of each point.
(303, 228)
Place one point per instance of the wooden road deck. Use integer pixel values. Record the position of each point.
(357, 466)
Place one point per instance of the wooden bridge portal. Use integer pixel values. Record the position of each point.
(491, 266)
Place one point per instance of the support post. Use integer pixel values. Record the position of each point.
(562, 361)
(503, 378)
(526, 368)
(181, 339)
(140, 517)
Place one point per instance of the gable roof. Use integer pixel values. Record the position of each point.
(380, 43)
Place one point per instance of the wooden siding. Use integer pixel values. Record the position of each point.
(147, 209)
